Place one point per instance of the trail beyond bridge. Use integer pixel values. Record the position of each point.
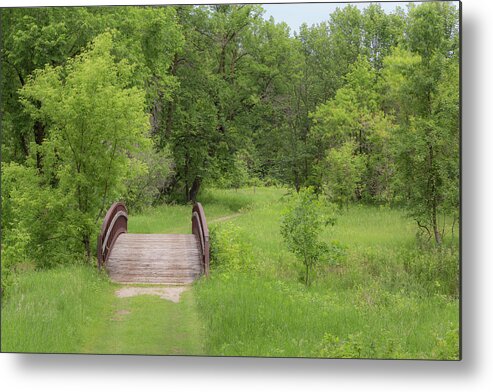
(153, 258)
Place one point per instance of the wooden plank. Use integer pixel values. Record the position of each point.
(155, 258)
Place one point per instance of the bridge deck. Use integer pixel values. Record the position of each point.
(155, 258)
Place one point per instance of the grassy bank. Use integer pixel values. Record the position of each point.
(250, 315)
(50, 311)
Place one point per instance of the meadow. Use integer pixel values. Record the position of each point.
(381, 294)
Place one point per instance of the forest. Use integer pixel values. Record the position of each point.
(352, 124)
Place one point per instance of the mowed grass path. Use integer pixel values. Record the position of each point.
(74, 309)
(147, 324)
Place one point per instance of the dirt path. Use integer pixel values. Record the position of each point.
(169, 293)
(225, 218)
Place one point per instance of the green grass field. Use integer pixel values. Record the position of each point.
(369, 305)
(50, 311)
(382, 298)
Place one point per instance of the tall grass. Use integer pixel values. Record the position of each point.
(253, 316)
(49, 311)
(383, 298)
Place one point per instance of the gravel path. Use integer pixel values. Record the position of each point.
(168, 293)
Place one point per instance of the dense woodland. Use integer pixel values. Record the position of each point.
(153, 105)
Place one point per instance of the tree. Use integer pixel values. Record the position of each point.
(301, 225)
(32, 38)
(342, 173)
(381, 32)
(422, 82)
(354, 116)
(94, 121)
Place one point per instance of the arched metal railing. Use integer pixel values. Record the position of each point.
(201, 231)
(114, 224)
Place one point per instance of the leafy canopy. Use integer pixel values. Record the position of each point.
(95, 121)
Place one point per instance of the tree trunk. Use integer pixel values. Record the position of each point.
(436, 231)
(155, 118)
(194, 190)
(434, 201)
(87, 246)
(171, 104)
(297, 184)
(39, 135)
(169, 122)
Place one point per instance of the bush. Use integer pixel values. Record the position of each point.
(94, 121)
(435, 268)
(35, 221)
(342, 174)
(229, 250)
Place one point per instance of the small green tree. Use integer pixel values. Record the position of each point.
(301, 224)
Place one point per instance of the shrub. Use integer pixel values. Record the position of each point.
(36, 223)
(434, 268)
(230, 252)
(301, 224)
(342, 174)
(94, 120)
(334, 347)
(35, 220)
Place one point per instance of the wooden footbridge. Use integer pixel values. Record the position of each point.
(153, 258)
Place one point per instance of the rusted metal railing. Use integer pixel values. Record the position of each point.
(114, 224)
(201, 231)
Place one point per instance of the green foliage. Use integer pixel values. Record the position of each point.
(147, 186)
(249, 315)
(342, 174)
(94, 121)
(436, 269)
(152, 104)
(36, 225)
(230, 252)
(301, 225)
(334, 347)
(237, 100)
(237, 175)
(426, 146)
(366, 304)
(32, 38)
(366, 298)
(447, 344)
